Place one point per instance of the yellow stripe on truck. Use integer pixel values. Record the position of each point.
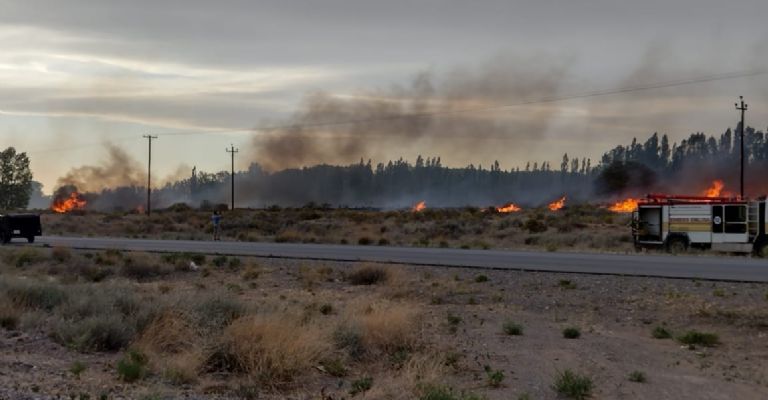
(690, 227)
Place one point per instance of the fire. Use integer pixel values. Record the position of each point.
(74, 202)
(624, 206)
(508, 208)
(557, 204)
(715, 190)
(420, 206)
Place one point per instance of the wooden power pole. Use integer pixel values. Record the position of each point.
(232, 152)
(742, 107)
(149, 174)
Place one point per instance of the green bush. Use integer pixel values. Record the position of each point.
(574, 386)
(95, 333)
(637, 376)
(512, 328)
(132, 367)
(34, 295)
(349, 338)
(694, 337)
(77, 368)
(217, 311)
(364, 241)
(495, 377)
(661, 332)
(219, 261)
(481, 278)
(571, 333)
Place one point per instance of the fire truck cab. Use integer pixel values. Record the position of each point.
(717, 223)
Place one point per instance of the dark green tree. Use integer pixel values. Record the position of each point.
(15, 180)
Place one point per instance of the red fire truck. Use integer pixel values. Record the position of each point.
(719, 223)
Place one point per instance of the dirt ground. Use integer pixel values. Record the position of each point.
(456, 334)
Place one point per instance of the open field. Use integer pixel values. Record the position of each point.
(133, 325)
(577, 228)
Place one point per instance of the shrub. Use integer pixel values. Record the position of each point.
(661, 332)
(9, 315)
(364, 241)
(361, 385)
(132, 366)
(276, 348)
(77, 368)
(481, 278)
(24, 257)
(512, 328)
(334, 367)
(637, 376)
(217, 311)
(389, 328)
(326, 309)
(140, 268)
(566, 284)
(495, 377)
(33, 295)
(571, 333)
(572, 385)
(368, 275)
(535, 225)
(61, 254)
(705, 339)
(383, 242)
(348, 337)
(219, 261)
(95, 333)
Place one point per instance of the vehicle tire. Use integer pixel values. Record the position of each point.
(677, 245)
(31, 239)
(761, 249)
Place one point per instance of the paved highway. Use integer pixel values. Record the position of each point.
(713, 268)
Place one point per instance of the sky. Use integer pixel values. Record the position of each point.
(273, 78)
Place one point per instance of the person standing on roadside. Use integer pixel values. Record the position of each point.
(216, 219)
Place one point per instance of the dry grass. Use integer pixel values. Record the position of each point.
(389, 326)
(276, 348)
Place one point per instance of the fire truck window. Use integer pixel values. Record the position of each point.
(717, 219)
(735, 213)
(735, 219)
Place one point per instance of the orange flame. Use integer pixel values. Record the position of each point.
(715, 190)
(420, 206)
(557, 204)
(508, 208)
(624, 206)
(74, 202)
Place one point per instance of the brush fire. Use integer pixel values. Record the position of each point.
(508, 208)
(557, 204)
(420, 206)
(66, 203)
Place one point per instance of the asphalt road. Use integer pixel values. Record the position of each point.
(737, 268)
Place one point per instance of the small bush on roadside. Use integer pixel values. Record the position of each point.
(661, 332)
(95, 333)
(535, 225)
(217, 310)
(350, 338)
(364, 241)
(9, 315)
(512, 328)
(334, 367)
(481, 278)
(566, 284)
(637, 376)
(219, 261)
(694, 337)
(368, 275)
(571, 333)
(572, 385)
(34, 295)
(61, 254)
(140, 268)
(132, 366)
(24, 257)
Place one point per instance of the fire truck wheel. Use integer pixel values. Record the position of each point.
(762, 250)
(30, 239)
(677, 245)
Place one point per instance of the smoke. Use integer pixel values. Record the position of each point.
(390, 123)
(118, 169)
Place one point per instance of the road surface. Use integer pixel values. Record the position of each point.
(738, 268)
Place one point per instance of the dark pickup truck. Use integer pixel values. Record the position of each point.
(19, 225)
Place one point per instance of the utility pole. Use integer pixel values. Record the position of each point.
(742, 107)
(232, 151)
(149, 174)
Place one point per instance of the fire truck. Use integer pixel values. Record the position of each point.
(723, 224)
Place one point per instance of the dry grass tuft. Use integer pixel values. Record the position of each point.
(169, 333)
(390, 326)
(368, 274)
(276, 348)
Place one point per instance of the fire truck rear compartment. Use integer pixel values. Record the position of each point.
(649, 224)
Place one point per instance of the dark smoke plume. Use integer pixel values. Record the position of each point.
(118, 169)
(382, 123)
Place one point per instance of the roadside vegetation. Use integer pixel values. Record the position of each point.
(167, 325)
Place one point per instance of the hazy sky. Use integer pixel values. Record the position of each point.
(76, 74)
